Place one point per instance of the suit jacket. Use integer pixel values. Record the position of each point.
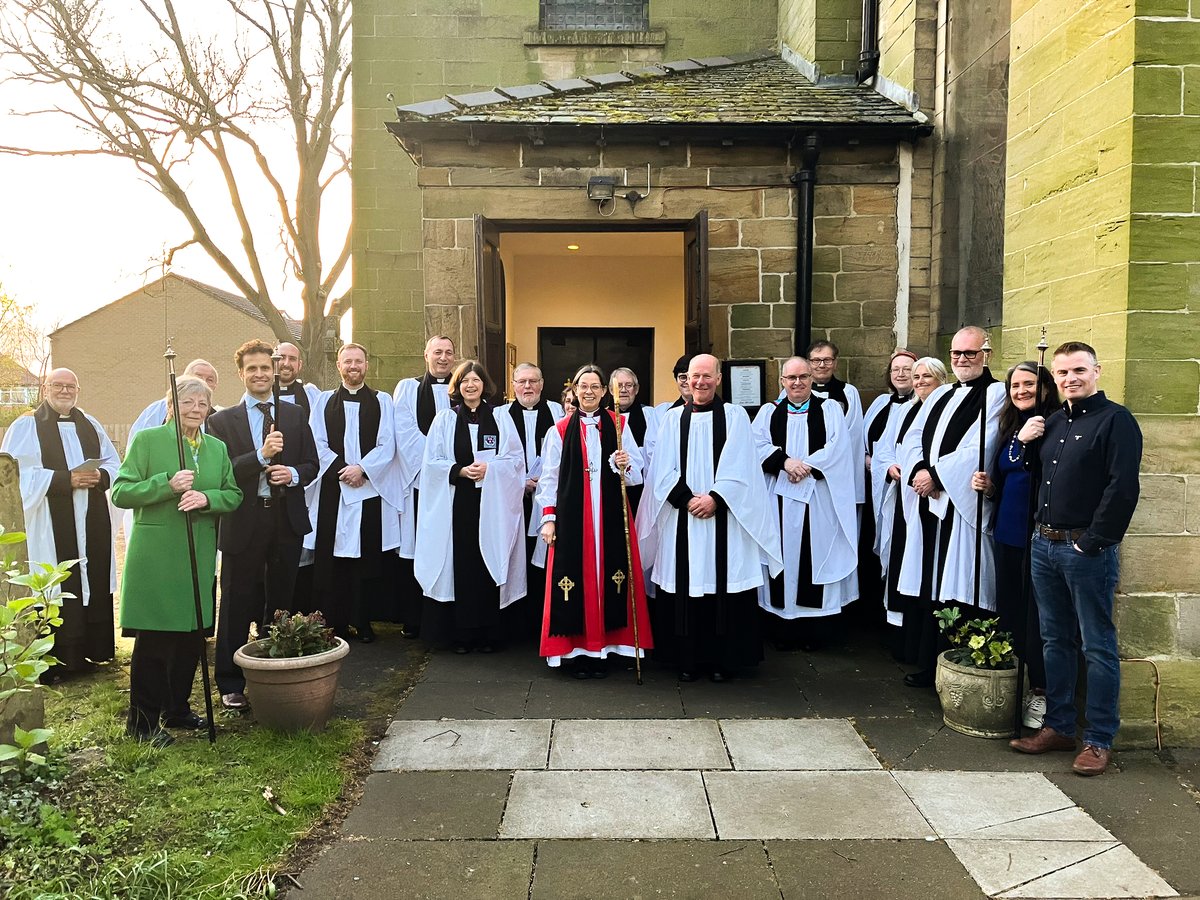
(232, 427)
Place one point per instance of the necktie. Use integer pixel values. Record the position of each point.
(268, 423)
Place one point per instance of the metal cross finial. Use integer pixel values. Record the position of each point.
(987, 337)
(1042, 345)
(618, 578)
(566, 584)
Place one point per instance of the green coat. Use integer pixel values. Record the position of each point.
(156, 587)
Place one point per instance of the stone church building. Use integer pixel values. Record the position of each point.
(629, 180)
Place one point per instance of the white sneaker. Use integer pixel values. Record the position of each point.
(1034, 710)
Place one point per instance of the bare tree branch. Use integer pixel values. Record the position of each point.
(185, 99)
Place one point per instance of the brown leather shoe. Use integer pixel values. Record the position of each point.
(1092, 760)
(1043, 741)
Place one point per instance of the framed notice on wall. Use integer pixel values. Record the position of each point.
(745, 381)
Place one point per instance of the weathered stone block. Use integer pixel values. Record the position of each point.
(680, 176)
(769, 233)
(1157, 564)
(869, 257)
(750, 315)
(1156, 285)
(867, 173)
(759, 342)
(438, 233)
(1192, 501)
(461, 176)
(575, 156)
(757, 176)
(1162, 188)
(877, 342)
(837, 315)
(832, 200)
(1157, 91)
(843, 230)
(822, 288)
(1168, 335)
(723, 233)
(1162, 387)
(1189, 624)
(777, 202)
(1161, 505)
(460, 153)
(733, 276)
(685, 203)
(874, 200)
(783, 315)
(1145, 624)
(862, 286)
(635, 156)
(739, 155)
(1167, 43)
(1164, 238)
(828, 259)
(449, 276)
(879, 312)
(781, 260)
(567, 176)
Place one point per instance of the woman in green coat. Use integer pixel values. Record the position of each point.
(157, 602)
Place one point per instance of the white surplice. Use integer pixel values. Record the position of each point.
(829, 506)
(854, 425)
(534, 465)
(410, 450)
(501, 511)
(954, 468)
(753, 534)
(21, 442)
(383, 478)
(888, 452)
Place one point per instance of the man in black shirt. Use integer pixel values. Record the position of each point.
(1091, 451)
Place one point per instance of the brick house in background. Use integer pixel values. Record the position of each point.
(117, 350)
(19, 388)
(1055, 187)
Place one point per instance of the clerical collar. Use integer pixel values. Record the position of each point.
(984, 377)
(351, 391)
(900, 398)
(704, 407)
(802, 408)
(434, 379)
(591, 415)
(288, 388)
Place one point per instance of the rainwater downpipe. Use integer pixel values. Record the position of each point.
(805, 180)
(868, 57)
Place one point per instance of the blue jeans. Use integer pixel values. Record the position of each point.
(1075, 600)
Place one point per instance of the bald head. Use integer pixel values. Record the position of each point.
(968, 359)
(204, 370)
(61, 389)
(704, 375)
(290, 364)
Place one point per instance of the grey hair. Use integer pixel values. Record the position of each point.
(186, 387)
(623, 370)
(934, 365)
(521, 367)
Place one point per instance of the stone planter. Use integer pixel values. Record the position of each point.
(291, 694)
(25, 709)
(978, 702)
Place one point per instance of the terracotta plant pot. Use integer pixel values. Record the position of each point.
(978, 702)
(293, 694)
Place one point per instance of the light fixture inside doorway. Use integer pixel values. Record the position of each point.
(572, 246)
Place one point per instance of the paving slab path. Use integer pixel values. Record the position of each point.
(821, 775)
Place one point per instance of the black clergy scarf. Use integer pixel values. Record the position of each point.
(426, 401)
(369, 416)
(879, 423)
(571, 508)
(909, 418)
(488, 437)
(296, 390)
(964, 416)
(97, 525)
(836, 389)
(544, 422)
(636, 417)
(816, 441)
(683, 570)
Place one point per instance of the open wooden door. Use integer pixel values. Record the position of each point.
(489, 293)
(695, 280)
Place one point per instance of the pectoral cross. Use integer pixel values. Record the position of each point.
(618, 578)
(566, 584)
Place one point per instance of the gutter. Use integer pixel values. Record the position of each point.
(805, 180)
(868, 57)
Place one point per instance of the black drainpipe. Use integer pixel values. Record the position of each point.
(868, 58)
(805, 180)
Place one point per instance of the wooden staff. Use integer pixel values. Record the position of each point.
(985, 348)
(191, 539)
(637, 648)
(1034, 468)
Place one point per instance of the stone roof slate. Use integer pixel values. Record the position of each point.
(749, 89)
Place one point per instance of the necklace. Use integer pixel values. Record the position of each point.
(1011, 445)
(194, 447)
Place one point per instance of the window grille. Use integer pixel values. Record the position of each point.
(595, 15)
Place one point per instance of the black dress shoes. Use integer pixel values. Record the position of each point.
(155, 738)
(190, 721)
(922, 679)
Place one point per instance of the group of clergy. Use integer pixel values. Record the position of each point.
(618, 528)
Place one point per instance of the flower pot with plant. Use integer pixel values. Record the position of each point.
(976, 678)
(291, 674)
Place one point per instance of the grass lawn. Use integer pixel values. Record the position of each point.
(190, 820)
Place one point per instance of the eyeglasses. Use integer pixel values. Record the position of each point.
(964, 354)
(682, 376)
(63, 388)
(902, 370)
(792, 379)
(527, 382)
(822, 360)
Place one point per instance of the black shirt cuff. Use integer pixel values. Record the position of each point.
(681, 495)
(773, 464)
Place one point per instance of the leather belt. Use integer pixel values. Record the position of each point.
(265, 502)
(1060, 534)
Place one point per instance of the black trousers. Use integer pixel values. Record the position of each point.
(255, 582)
(161, 674)
(412, 598)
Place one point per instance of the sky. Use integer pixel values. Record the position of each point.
(77, 233)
